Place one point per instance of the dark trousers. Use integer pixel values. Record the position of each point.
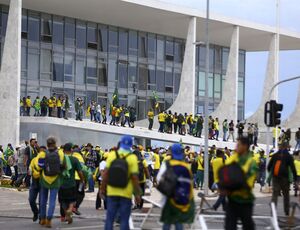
(98, 199)
(175, 127)
(150, 124)
(281, 184)
(79, 195)
(142, 186)
(50, 112)
(33, 194)
(161, 127)
(59, 112)
(235, 211)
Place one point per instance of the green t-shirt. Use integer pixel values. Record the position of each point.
(69, 181)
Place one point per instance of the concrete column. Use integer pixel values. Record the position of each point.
(10, 77)
(185, 100)
(270, 80)
(227, 108)
(292, 121)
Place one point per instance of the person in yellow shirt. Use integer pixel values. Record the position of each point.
(28, 105)
(200, 171)
(50, 106)
(50, 180)
(297, 166)
(161, 120)
(150, 118)
(156, 161)
(216, 128)
(119, 197)
(58, 105)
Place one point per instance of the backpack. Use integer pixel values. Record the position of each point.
(168, 182)
(141, 170)
(52, 165)
(118, 172)
(279, 167)
(232, 177)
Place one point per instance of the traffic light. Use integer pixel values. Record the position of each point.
(273, 113)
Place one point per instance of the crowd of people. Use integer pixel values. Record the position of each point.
(69, 171)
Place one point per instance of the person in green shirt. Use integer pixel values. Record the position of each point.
(67, 192)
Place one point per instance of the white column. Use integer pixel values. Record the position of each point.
(10, 76)
(227, 108)
(270, 80)
(185, 100)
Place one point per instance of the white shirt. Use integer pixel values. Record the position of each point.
(102, 166)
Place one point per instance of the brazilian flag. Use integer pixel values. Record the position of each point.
(155, 100)
(115, 97)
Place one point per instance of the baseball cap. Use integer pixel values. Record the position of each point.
(126, 142)
(177, 152)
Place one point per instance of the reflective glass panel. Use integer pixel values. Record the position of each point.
(160, 48)
(178, 50)
(91, 72)
(151, 46)
(58, 31)
(102, 35)
(112, 70)
(169, 77)
(102, 74)
(151, 75)
(69, 32)
(133, 44)
(80, 69)
(113, 40)
(33, 27)
(33, 63)
(160, 79)
(58, 67)
(123, 42)
(80, 35)
(143, 76)
(122, 75)
(69, 66)
(46, 25)
(142, 45)
(132, 72)
(46, 57)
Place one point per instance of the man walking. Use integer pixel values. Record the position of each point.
(297, 138)
(120, 182)
(150, 118)
(279, 166)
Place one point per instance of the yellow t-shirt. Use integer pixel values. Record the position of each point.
(145, 166)
(132, 170)
(79, 157)
(216, 125)
(58, 103)
(297, 166)
(28, 102)
(156, 161)
(161, 117)
(200, 163)
(216, 164)
(150, 115)
(34, 170)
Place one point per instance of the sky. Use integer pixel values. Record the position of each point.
(264, 12)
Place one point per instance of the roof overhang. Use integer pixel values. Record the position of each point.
(167, 19)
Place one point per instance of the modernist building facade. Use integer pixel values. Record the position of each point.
(89, 48)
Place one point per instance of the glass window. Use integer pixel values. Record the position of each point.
(169, 50)
(211, 59)
(169, 77)
(92, 36)
(133, 47)
(141, 113)
(33, 27)
(69, 32)
(240, 91)
(58, 31)
(58, 67)
(160, 48)
(178, 51)
(24, 58)
(69, 66)
(91, 72)
(177, 76)
(217, 85)
(132, 72)
(225, 54)
(102, 35)
(142, 45)
(46, 56)
(122, 75)
(91, 96)
(112, 70)
(80, 35)
(151, 46)
(80, 69)
(24, 24)
(4, 17)
(123, 42)
(160, 79)
(33, 63)
(202, 57)
(113, 40)
(151, 77)
(242, 62)
(210, 85)
(143, 76)
(46, 26)
(102, 73)
(218, 59)
(201, 84)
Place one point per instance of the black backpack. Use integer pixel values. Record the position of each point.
(232, 177)
(118, 172)
(168, 182)
(52, 163)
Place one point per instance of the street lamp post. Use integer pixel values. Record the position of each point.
(206, 182)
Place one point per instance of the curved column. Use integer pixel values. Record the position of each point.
(270, 80)
(293, 121)
(10, 77)
(227, 108)
(185, 100)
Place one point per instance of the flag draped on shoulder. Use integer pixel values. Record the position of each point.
(115, 97)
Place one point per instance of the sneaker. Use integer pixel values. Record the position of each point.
(35, 217)
(76, 212)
